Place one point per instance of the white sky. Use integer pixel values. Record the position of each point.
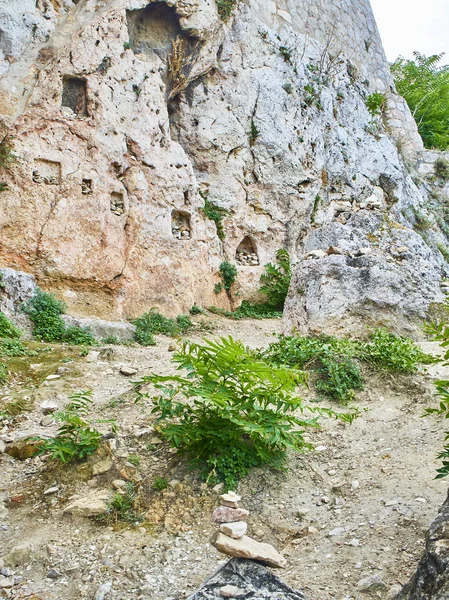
(407, 25)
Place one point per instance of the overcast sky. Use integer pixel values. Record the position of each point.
(407, 25)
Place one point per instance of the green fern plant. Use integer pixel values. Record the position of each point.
(7, 328)
(276, 280)
(76, 438)
(232, 411)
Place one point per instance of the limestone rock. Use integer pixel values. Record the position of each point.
(24, 448)
(230, 591)
(250, 577)
(225, 514)
(102, 466)
(371, 584)
(431, 580)
(235, 530)
(230, 499)
(49, 406)
(19, 555)
(88, 506)
(246, 547)
(128, 371)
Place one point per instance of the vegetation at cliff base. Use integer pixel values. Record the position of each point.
(424, 83)
(153, 322)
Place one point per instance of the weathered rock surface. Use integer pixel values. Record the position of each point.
(16, 287)
(116, 144)
(253, 579)
(246, 547)
(101, 329)
(225, 514)
(431, 580)
(88, 506)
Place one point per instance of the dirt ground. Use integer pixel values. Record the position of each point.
(358, 505)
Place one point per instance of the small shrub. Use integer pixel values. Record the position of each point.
(276, 280)
(134, 459)
(215, 213)
(76, 438)
(254, 133)
(45, 311)
(239, 410)
(3, 373)
(111, 339)
(286, 53)
(375, 103)
(228, 274)
(153, 323)
(226, 8)
(126, 45)
(160, 483)
(122, 507)
(441, 168)
(196, 310)
(78, 336)
(11, 347)
(7, 328)
(247, 310)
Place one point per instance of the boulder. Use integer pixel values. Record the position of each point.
(246, 547)
(101, 329)
(252, 579)
(431, 580)
(88, 506)
(226, 514)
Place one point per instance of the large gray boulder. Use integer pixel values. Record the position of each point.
(384, 274)
(431, 580)
(253, 581)
(16, 288)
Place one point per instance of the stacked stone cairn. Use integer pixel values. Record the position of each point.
(231, 539)
(247, 258)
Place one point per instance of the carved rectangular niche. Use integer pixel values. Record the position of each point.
(47, 171)
(74, 95)
(180, 225)
(246, 253)
(86, 186)
(117, 203)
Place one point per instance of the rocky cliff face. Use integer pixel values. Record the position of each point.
(127, 115)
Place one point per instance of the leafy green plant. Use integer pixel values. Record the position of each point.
(441, 168)
(122, 507)
(126, 45)
(335, 362)
(134, 459)
(226, 8)
(276, 280)
(247, 310)
(153, 323)
(232, 411)
(12, 347)
(286, 53)
(228, 274)
(7, 328)
(45, 311)
(254, 133)
(76, 438)
(424, 83)
(160, 483)
(215, 213)
(375, 103)
(78, 336)
(196, 310)
(111, 339)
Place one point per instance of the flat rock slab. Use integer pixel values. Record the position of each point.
(246, 547)
(253, 581)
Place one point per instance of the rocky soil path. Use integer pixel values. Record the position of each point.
(355, 508)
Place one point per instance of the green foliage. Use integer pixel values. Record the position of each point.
(286, 53)
(78, 336)
(335, 361)
(45, 311)
(218, 288)
(228, 274)
(196, 310)
(134, 460)
(111, 339)
(247, 310)
(12, 347)
(160, 483)
(226, 8)
(76, 438)
(126, 45)
(3, 373)
(276, 280)
(7, 328)
(215, 213)
(254, 133)
(7, 155)
(153, 322)
(122, 507)
(441, 168)
(424, 83)
(239, 410)
(375, 103)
